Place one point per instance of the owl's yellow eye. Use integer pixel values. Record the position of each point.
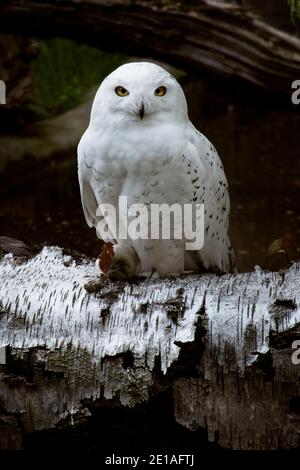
(160, 91)
(121, 91)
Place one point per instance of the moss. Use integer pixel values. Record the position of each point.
(64, 71)
(295, 9)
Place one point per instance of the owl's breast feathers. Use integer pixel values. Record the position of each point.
(168, 164)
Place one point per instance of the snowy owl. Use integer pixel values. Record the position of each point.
(141, 144)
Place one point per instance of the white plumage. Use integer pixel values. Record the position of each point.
(143, 146)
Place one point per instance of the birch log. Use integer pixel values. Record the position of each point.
(222, 344)
(226, 37)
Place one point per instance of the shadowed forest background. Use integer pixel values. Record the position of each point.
(51, 82)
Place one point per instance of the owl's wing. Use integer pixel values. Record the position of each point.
(89, 202)
(94, 187)
(88, 198)
(212, 190)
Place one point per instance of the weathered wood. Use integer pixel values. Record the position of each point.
(222, 37)
(18, 248)
(221, 345)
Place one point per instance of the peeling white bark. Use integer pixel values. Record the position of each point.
(46, 304)
(54, 326)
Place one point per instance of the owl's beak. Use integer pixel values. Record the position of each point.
(142, 111)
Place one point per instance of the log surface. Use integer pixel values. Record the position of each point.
(222, 345)
(223, 37)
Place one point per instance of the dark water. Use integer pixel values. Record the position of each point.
(257, 137)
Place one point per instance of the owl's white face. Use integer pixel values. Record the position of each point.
(140, 92)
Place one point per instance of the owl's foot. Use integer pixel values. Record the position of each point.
(154, 274)
(124, 263)
(150, 275)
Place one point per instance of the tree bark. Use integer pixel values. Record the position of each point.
(220, 345)
(222, 37)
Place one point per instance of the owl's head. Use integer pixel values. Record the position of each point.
(140, 92)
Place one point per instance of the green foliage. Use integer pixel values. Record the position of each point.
(295, 9)
(64, 71)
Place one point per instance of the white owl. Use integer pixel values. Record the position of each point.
(141, 144)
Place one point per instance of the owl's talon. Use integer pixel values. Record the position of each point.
(125, 264)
